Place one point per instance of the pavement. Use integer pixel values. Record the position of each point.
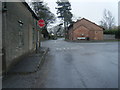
(30, 63)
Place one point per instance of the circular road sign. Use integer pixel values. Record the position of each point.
(41, 23)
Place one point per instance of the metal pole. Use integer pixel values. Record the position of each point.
(38, 40)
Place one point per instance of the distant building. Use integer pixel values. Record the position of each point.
(19, 32)
(85, 30)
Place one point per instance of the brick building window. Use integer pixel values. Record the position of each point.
(21, 34)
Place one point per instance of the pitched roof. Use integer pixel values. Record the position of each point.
(90, 22)
(28, 7)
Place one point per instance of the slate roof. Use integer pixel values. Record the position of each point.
(28, 7)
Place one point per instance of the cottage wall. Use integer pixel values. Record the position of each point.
(12, 31)
(0, 42)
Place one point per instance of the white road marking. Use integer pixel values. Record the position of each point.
(93, 43)
(55, 42)
(69, 48)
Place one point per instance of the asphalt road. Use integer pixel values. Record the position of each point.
(73, 65)
(79, 65)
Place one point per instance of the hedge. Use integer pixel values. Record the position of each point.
(110, 31)
(117, 34)
(114, 32)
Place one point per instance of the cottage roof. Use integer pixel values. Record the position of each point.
(28, 7)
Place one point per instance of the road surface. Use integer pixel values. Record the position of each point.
(73, 65)
(79, 65)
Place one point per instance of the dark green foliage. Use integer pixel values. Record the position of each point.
(110, 31)
(63, 12)
(43, 12)
(115, 32)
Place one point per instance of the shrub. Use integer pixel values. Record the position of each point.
(117, 34)
(110, 32)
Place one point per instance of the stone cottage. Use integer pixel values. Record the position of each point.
(85, 30)
(20, 32)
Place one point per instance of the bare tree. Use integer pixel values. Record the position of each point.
(108, 20)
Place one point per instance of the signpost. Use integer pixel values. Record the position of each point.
(41, 24)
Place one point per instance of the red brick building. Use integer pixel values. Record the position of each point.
(85, 30)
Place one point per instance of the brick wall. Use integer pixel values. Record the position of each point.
(88, 29)
(79, 31)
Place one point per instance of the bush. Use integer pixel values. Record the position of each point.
(110, 32)
(113, 32)
(117, 34)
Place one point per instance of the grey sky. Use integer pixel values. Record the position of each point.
(89, 9)
(119, 13)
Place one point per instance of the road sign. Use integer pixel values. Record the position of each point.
(41, 23)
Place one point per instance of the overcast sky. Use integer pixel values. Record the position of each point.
(89, 9)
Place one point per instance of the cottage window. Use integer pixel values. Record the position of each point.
(4, 7)
(33, 35)
(21, 34)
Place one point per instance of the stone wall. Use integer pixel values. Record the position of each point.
(0, 45)
(15, 33)
(108, 37)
